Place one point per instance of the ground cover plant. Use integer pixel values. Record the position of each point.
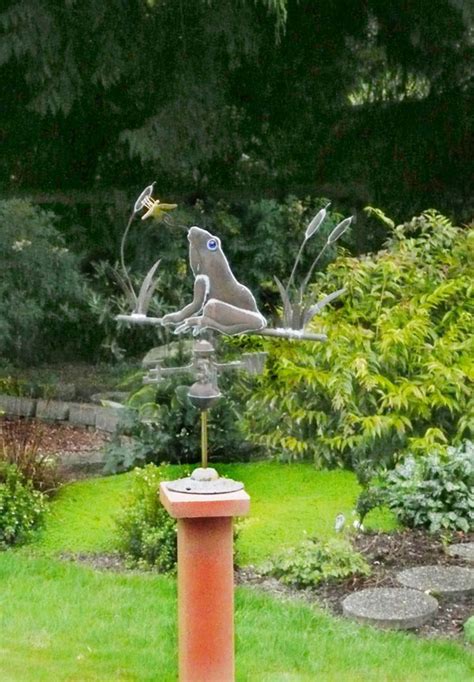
(434, 492)
(396, 373)
(66, 380)
(313, 562)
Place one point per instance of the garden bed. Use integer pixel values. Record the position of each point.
(387, 554)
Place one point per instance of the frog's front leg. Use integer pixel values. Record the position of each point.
(201, 292)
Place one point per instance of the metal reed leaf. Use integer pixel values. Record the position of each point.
(339, 230)
(285, 299)
(317, 307)
(125, 285)
(147, 289)
(297, 316)
(310, 272)
(316, 223)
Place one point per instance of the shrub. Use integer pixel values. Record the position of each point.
(396, 373)
(314, 561)
(163, 426)
(21, 507)
(20, 445)
(41, 288)
(147, 533)
(434, 492)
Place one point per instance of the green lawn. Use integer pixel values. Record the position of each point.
(288, 501)
(64, 622)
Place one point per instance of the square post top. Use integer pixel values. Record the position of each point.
(189, 506)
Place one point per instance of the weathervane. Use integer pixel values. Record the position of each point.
(220, 304)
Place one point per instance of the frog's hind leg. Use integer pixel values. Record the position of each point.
(225, 318)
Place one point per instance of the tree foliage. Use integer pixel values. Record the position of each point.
(396, 374)
(41, 287)
(212, 93)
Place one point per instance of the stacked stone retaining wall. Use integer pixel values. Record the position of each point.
(76, 414)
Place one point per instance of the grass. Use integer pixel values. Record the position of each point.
(81, 517)
(288, 502)
(63, 622)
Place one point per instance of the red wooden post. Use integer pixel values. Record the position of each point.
(205, 581)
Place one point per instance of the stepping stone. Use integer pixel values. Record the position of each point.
(444, 581)
(390, 607)
(464, 550)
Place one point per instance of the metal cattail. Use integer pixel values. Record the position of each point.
(337, 232)
(312, 228)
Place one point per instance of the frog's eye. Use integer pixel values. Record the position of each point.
(212, 244)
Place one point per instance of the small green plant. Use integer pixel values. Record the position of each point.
(315, 561)
(21, 507)
(147, 533)
(434, 492)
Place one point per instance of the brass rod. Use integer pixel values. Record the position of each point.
(204, 439)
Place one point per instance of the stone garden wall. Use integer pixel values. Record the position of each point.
(75, 414)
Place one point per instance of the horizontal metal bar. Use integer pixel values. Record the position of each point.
(136, 318)
(295, 334)
(280, 333)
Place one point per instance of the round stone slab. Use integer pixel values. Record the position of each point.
(464, 550)
(445, 581)
(390, 607)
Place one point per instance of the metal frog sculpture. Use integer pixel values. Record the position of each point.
(220, 302)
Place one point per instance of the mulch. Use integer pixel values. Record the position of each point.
(55, 437)
(387, 554)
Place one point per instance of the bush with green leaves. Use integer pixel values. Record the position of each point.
(395, 375)
(161, 425)
(315, 561)
(147, 533)
(434, 492)
(21, 507)
(41, 288)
